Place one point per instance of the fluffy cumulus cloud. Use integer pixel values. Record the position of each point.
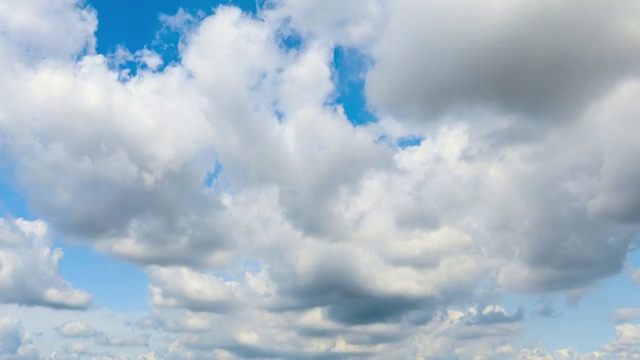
(270, 226)
(29, 273)
(182, 287)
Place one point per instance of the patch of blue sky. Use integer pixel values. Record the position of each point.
(349, 68)
(409, 141)
(290, 40)
(252, 265)
(113, 284)
(135, 24)
(585, 324)
(213, 175)
(138, 25)
(633, 259)
(384, 139)
(279, 114)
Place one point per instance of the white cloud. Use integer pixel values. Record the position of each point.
(29, 272)
(628, 334)
(182, 287)
(75, 329)
(356, 23)
(38, 29)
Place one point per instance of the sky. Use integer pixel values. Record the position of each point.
(306, 179)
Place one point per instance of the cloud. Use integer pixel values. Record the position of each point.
(29, 273)
(549, 312)
(627, 335)
(625, 346)
(634, 274)
(626, 314)
(75, 329)
(496, 315)
(616, 198)
(179, 322)
(357, 23)
(38, 29)
(76, 349)
(126, 340)
(313, 334)
(182, 287)
(526, 57)
(465, 334)
(14, 343)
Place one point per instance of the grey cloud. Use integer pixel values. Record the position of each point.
(548, 311)
(418, 216)
(14, 343)
(496, 316)
(373, 309)
(634, 274)
(184, 288)
(566, 259)
(617, 197)
(541, 59)
(626, 314)
(10, 335)
(248, 352)
(179, 322)
(343, 280)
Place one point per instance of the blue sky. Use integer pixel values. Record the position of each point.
(366, 181)
(136, 25)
